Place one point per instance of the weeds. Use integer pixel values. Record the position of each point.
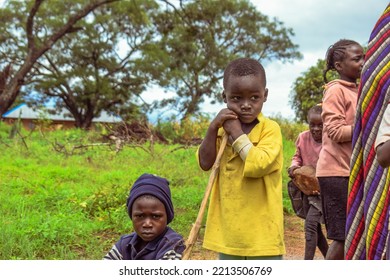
(73, 207)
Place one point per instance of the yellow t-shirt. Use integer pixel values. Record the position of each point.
(245, 214)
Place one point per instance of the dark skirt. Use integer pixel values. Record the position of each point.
(334, 194)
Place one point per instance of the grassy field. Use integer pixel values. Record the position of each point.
(63, 198)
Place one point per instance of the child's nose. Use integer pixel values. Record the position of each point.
(147, 222)
(245, 105)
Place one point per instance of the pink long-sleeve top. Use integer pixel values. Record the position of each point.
(307, 150)
(338, 114)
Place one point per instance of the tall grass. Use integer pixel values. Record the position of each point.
(62, 205)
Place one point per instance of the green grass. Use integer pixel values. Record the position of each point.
(60, 206)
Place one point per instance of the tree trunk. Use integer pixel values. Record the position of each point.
(192, 106)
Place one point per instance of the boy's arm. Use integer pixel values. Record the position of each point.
(171, 248)
(382, 141)
(296, 160)
(113, 254)
(208, 148)
(383, 154)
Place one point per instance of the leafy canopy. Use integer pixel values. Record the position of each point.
(197, 39)
(307, 90)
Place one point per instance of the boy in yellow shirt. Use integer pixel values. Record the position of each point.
(245, 215)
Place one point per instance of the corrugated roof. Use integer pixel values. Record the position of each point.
(25, 112)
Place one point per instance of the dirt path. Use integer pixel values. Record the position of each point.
(294, 238)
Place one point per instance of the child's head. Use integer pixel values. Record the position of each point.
(315, 122)
(150, 206)
(347, 58)
(245, 91)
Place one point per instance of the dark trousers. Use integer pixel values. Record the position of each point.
(313, 234)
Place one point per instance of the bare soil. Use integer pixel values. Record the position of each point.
(294, 237)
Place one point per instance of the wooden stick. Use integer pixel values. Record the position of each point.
(198, 223)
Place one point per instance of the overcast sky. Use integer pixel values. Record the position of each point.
(317, 25)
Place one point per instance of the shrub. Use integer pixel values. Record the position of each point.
(186, 130)
(290, 129)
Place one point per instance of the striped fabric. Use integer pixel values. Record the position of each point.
(114, 254)
(367, 223)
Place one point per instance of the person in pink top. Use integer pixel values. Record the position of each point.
(308, 146)
(338, 114)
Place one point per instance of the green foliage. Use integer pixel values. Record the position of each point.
(29, 30)
(288, 152)
(186, 130)
(198, 39)
(101, 55)
(290, 129)
(54, 206)
(308, 89)
(86, 73)
(4, 130)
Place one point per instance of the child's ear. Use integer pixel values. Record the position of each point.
(265, 95)
(337, 66)
(224, 96)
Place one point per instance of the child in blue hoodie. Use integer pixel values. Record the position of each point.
(150, 208)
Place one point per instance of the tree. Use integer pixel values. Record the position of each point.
(94, 70)
(28, 30)
(307, 90)
(198, 38)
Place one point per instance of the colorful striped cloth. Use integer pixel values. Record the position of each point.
(367, 223)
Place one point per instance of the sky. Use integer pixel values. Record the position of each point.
(317, 24)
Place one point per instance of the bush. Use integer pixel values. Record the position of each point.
(185, 131)
(290, 129)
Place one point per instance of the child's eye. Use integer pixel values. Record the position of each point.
(235, 98)
(156, 217)
(360, 58)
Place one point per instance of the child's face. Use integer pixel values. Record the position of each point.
(351, 66)
(149, 217)
(315, 126)
(245, 96)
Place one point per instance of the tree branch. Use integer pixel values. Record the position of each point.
(30, 25)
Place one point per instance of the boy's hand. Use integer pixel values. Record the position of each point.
(233, 128)
(290, 171)
(227, 119)
(207, 149)
(223, 116)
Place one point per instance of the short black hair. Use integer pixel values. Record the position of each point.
(336, 53)
(316, 109)
(243, 67)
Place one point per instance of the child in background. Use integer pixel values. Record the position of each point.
(308, 146)
(150, 208)
(338, 114)
(245, 215)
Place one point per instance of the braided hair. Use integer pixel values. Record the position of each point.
(336, 53)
